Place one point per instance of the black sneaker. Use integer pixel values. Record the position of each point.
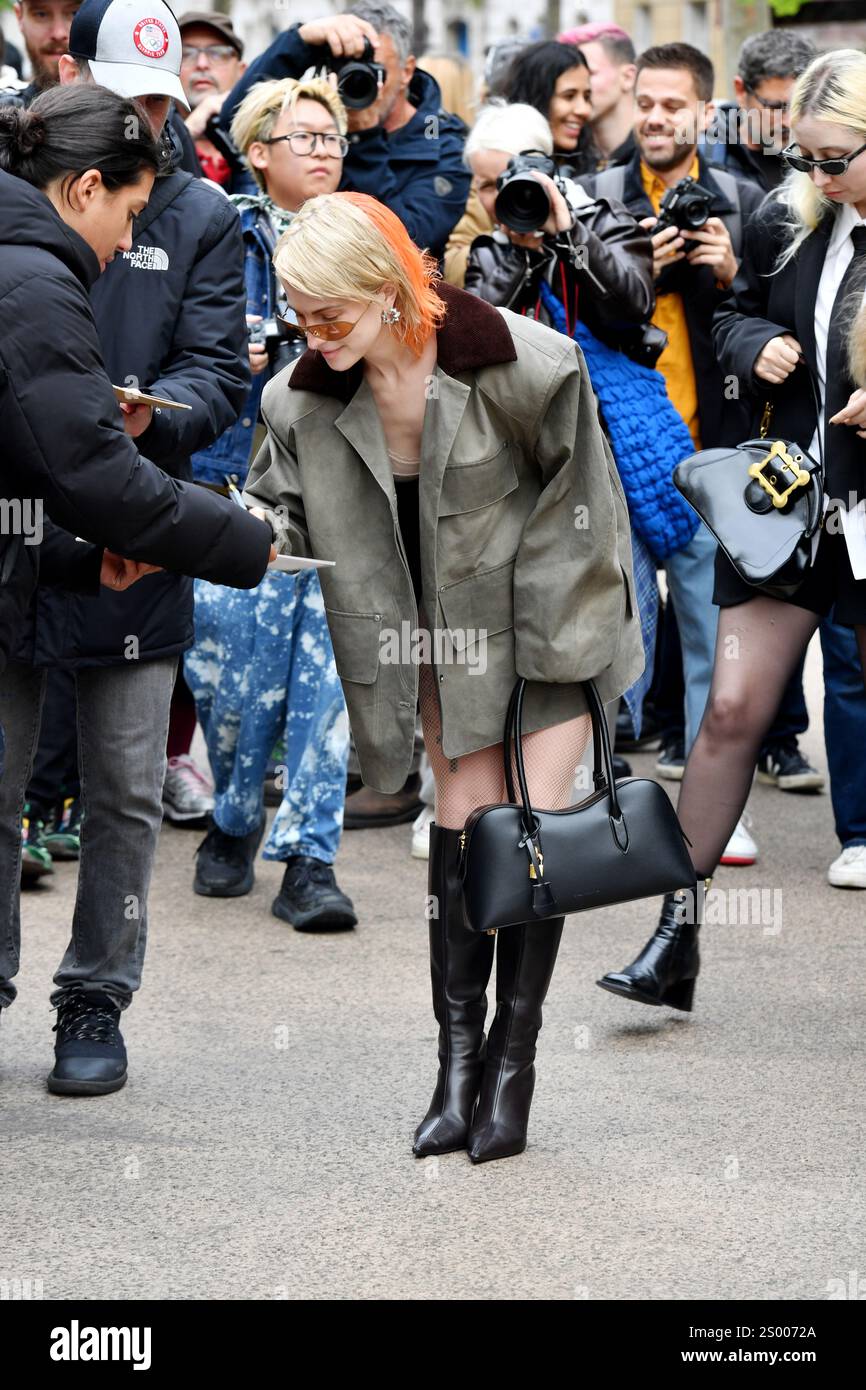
(783, 766)
(89, 1054)
(671, 761)
(621, 767)
(309, 898)
(224, 863)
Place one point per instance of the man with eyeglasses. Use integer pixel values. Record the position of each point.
(211, 64)
(748, 136)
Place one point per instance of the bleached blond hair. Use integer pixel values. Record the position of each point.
(832, 88)
(348, 246)
(264, 103)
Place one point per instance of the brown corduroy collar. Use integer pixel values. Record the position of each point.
(472, 335)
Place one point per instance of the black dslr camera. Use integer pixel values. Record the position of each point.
(282, 347)
(359, 80)
(686, 206)
(522, 202)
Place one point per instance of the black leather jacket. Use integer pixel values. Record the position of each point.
(601, 270)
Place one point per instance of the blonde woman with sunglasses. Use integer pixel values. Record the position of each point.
(787, 327)
(448, 456)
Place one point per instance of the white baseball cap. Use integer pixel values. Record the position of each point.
(133, 47)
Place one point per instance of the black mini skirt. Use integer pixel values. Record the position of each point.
(829, 584)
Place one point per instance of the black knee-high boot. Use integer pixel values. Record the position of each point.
(667, 967)
(460, 965)
(525, 957)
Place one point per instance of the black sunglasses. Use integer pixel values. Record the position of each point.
(804, 165)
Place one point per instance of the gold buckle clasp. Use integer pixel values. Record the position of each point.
(771, 469)
(532, 873)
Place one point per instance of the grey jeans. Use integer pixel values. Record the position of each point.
(122, 714)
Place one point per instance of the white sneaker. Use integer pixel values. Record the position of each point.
(421, 834)
(849, 870)
(741, 848)
(187, 794)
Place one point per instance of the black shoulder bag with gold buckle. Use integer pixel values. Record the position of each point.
(763, 500)
(520, 864)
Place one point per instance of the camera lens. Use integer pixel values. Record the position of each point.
(358, 85)
(693, 214)
(522, 204)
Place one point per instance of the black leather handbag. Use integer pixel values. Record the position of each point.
(519, 864)
(763, 500)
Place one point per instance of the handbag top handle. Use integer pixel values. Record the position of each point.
(602, 752)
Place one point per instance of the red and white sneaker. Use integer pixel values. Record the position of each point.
(741, 849)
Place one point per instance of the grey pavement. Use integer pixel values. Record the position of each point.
(262, 1147)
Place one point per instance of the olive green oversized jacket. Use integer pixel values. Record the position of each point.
(525, 544)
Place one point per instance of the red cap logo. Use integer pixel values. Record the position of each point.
(151, 38)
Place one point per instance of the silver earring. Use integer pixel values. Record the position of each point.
(391, 315)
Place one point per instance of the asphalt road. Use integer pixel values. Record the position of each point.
(262, 1147)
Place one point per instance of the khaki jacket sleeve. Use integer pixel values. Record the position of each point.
(273, 483)
(569, 586)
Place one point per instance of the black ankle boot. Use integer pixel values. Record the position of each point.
(460, 965)
(525, 958)
(667, 967)
(90, 1056)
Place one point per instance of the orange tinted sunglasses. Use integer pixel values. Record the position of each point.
(330, 332)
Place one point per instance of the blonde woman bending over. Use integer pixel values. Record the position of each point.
(448, 456)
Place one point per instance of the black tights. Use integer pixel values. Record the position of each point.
(758, 646)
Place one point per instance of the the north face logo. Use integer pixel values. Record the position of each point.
(147, 258)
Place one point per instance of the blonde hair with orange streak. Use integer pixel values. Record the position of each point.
(347, 246)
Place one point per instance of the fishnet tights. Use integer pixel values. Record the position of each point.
(550, 757)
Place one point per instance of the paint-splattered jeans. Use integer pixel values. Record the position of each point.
(263, 676)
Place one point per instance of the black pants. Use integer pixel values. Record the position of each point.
(55, 770)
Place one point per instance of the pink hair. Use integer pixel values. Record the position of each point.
(590, 33)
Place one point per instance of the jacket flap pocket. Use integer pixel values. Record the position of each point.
(468, 486)
(480, 605)
(356, 644)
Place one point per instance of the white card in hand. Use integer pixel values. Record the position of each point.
(854, 528)
(292, 563)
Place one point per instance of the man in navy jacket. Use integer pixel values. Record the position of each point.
(403, 149)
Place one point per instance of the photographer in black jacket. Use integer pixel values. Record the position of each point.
(584, 249)
(404, 149)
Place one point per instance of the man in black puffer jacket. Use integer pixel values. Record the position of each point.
(171, 317)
